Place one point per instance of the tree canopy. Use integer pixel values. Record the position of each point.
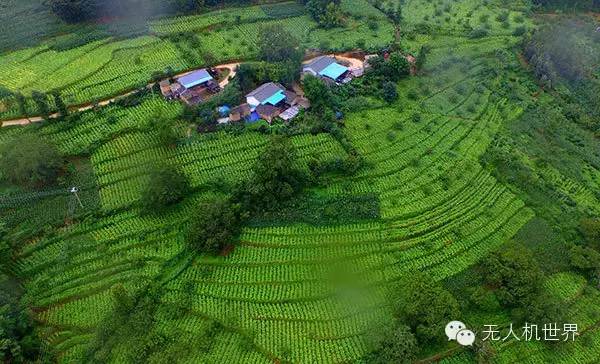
(425, 306)
(18, 340)
(166, 186)
(276, 44)
(274, 177)
(215, 225)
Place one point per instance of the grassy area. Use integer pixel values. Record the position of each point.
(110, 66)
(309, 282)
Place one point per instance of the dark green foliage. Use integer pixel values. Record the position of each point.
(514, 273)
(22, 104)
(516, 279)
(19, 343)
(390, 94)
(215, 226)
(73, 11)
(393, 69)
(425, 306)
(63, 111)
(41, 101)
(590, 228)
(166, 186)
(421, 58)
(557, 63)
(30, 161)
(251, 75)
(319, 94)
(316, 210)
(325, 12)
(276, 44)
(274, 178)
(392, 344)
(478, 33)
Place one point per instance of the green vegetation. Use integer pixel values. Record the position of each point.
(397, 203)
(29, 160)
(166, 186)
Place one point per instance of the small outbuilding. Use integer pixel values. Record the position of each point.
(268, 112)
(165, 89)
(240, 112)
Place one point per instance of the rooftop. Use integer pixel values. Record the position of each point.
(271, 93)
(318, 64)
(195, 78)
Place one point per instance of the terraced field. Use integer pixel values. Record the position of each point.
(109, 67)
(305, 292)
(290, 291)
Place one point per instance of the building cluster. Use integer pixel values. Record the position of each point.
(268, 102)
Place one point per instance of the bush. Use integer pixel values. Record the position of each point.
(166, 186)
(519, 31)
(216, 225)
(478, 33)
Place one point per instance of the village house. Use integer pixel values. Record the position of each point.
(191, 88)
(267, 102)
(328, 69)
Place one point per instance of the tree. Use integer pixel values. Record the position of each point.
(19, 342)
(325, 12)
(390, 94)
(393, 344)
(422, 57)
(318, 93)
(585, 259)
(29, 160)
(517, 280)
(166, 186)
(399, 66)
(22, 103)
(41, 100)
(274, 177)
(332, 17)
(426, 306)
(60, 104)
(276, 44)
(590, 228)
(514, 273)
(215, 225)
(164, 128)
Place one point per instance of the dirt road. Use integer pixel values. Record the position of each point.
(36, 119)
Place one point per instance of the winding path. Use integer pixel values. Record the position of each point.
(36, 119)
(355, 63)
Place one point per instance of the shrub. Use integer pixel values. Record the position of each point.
(215, 225)
(166, 186)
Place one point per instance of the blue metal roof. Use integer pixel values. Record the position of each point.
(333, 71)
(195, 78)
(275, 98)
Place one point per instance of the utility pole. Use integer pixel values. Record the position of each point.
(74, 191)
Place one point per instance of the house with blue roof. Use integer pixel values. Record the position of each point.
(270, 93)
(328, 69)
(267, 102)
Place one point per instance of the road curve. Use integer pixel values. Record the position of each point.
(36, 119)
